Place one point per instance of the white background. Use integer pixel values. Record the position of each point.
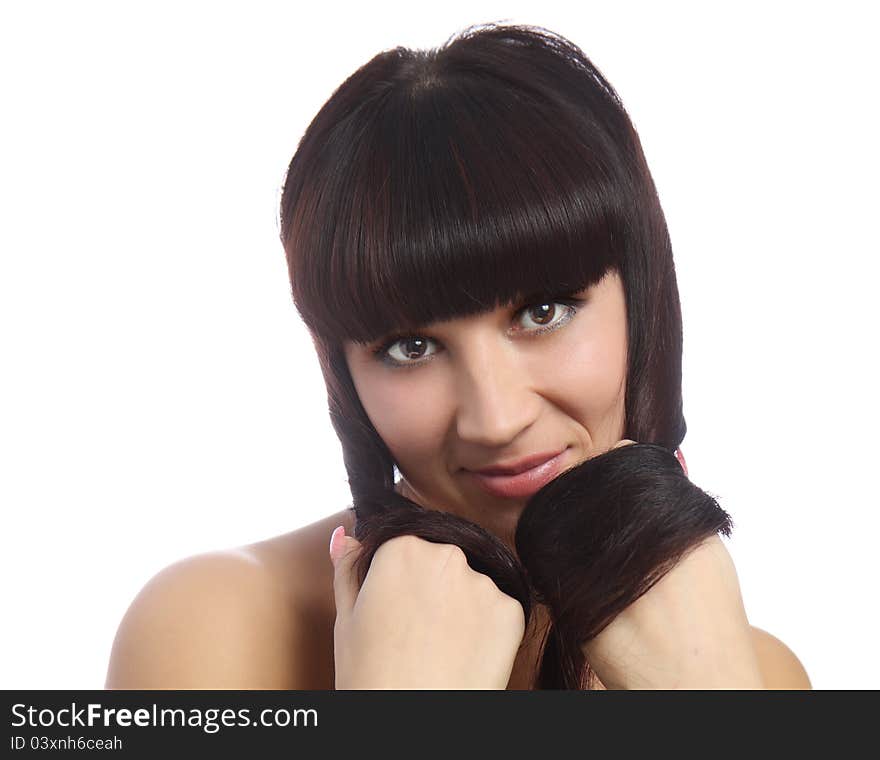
(159, 397)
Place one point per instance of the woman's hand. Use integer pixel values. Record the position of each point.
(689, 631)
(423, 619)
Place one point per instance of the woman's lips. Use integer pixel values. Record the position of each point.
(525, 483)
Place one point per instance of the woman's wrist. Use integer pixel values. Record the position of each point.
(728, 660)
(741, 679)
(744, 674)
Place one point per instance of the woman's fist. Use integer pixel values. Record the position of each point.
(689, 631)
(423, 619)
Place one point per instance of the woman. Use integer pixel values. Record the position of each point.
(477, 247)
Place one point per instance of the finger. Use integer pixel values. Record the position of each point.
(344, 550)
(680, 457)
(624, 442)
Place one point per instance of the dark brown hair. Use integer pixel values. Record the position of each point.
(498, 168)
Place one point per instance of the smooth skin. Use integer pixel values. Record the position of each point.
(501, 385)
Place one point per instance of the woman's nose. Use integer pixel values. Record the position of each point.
(496, 400)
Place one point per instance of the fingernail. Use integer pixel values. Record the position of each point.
(680, 457)
(336, 538)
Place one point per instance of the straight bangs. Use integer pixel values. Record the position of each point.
(446, 193)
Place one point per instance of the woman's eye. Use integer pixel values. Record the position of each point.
(408, 350)
(545, 315)
(412, 350)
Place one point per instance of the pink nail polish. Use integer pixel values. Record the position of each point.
(335, 537)
(680, 457)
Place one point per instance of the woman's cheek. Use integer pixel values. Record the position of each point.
(590, 383)
(410, 426)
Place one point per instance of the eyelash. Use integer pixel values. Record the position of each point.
(573, 304)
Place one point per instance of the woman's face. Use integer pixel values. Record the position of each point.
(495, 388)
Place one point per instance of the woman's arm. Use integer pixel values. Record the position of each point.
(213, 621)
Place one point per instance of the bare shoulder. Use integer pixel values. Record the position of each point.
(256, 617)
(300, 559)
(780, 667)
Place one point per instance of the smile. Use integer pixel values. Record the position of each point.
(523, 484)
